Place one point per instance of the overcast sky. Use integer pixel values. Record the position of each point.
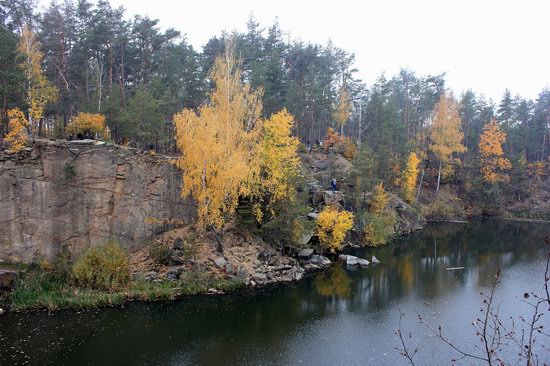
(485, 45)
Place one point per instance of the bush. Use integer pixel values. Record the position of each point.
(332, 227)
(445, 206)
(105, 267)
(160, 251)
(379, 227)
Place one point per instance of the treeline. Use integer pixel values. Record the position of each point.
(138, 77)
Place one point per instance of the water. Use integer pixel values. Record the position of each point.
(339, 317)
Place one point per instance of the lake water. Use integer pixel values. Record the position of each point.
(337, 317)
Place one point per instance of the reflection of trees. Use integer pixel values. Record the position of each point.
(334, 282)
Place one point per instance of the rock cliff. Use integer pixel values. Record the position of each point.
(76, 194)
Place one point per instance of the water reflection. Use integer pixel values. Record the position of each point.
(338, 317)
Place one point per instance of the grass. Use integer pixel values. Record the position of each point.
(40, 289)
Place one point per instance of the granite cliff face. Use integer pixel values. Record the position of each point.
(77, 194)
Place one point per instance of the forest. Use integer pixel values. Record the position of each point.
(78, 59)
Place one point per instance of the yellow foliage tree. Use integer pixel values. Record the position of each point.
(219, 144)
(446, 136)
(343, 109)
(280, 164)
(87, 122)
(410, 175)
(332, 227)
(39, 90)
(493, 163)
(17, 136)
(379, 199)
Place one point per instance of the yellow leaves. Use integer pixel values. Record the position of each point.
(446, 136)
(535, 171)
(280, 164)
(39, 89)
(332, 227)
(343, 109)
(493, 163)
(379, 199)
(219, 144)
(409, 178)
(88, 122)
(17, 135)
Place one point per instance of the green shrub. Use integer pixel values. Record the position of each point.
(379, 227)
(445, 206)
(105, 267)
(160, 251)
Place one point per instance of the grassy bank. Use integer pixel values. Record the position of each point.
(39, 289)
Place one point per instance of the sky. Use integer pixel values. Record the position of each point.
(483, 45)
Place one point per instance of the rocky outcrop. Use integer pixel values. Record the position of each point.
(76, 194)
(408, 218)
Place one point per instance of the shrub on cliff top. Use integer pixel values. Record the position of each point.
(105, 267)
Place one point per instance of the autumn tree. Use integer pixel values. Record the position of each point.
(493, 163)
(332, 227)
(218, 144)
(343, 109)
(280, 165)
(88, 124)
(408, 181)
(379, 199)
(446, 135)
(39, 89)
(17, 136)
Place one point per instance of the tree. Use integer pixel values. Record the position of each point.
(343, 109)
(332, 227)
(11, 75)
(446, 135)
(379, 199)
(493, 163)
(39, 89)
(218, 144)
(280, 165)
(410, 176)
(17, 135)
(87, 124)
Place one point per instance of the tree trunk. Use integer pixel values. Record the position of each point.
(420, 185)
(438, 179)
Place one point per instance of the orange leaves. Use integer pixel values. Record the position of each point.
(94, 123)
(219, 144)
(17, 136)
(493, 163)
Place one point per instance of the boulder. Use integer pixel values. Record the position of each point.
(229, 268)
(178, 243)
(220, 262)
(408, 218)
(374, 260)
(313, 215)
(319, 260)
(342, 257)
(331, 198)
(242, 274)
(305, 254)
(259, 277)
(352, 260)
(8, 278)
(266, 253)
(363, 262)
